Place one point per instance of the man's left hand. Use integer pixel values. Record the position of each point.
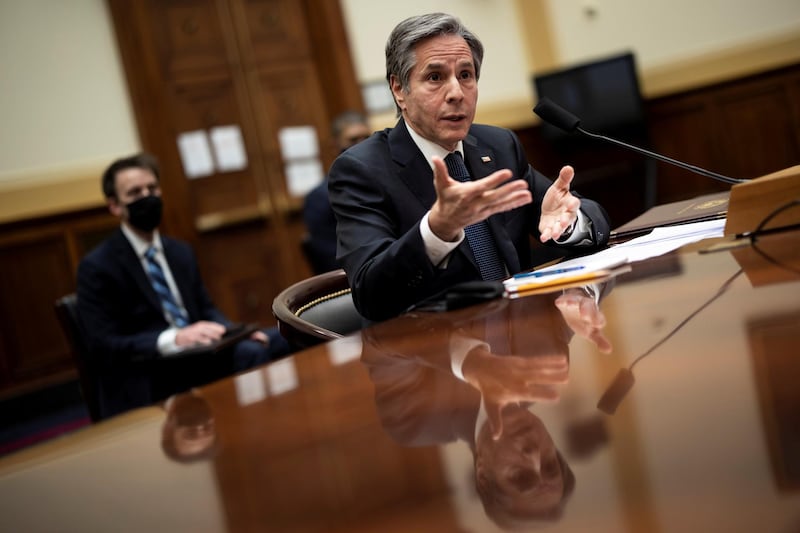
(584, 317)
(559, 207)
(260, 336)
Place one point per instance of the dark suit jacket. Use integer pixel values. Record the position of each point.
(122, 317)
(381, 188)
(321, 225)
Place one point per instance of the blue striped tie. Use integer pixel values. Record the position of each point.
(479, 237)
(159, 283)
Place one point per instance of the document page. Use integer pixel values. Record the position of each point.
(658, 242)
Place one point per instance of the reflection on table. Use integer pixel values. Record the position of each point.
(475, 420)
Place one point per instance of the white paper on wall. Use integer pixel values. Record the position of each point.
(377, 97)
(298, 142)
(229, 151)
(195, 154)
(302, 176)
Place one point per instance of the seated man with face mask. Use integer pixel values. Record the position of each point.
(142, 304)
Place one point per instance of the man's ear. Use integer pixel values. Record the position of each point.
(397, 91)
(483, 481)
(114, 207)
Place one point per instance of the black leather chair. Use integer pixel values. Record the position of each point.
(106, 392)
(67, 313)
(316, 310)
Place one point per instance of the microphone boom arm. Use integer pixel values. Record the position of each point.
(563, 119)
(663, 158)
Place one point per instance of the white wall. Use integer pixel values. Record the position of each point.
(658, 31)
(65, 109)
(64, 101)
(664, 31)
(504, 71)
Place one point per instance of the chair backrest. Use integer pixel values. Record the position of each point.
(316, 310)
(67, 313)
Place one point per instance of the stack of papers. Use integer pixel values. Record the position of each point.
(658, 242)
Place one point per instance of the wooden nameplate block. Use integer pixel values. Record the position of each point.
(753, 201)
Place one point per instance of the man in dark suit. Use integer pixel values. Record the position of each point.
(142, 303)
(402, 218)
(348, 129)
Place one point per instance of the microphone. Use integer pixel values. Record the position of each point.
(559, 117)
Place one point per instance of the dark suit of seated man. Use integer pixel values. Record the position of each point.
(403, 220)
(134, 333)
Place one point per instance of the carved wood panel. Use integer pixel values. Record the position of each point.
(205, 105)
(754, 122)
(744, 129)
(246, 290)
(188, 37)
(31, 279)
(289, 96)
(683, 129)
(38, 261)
(276, 31)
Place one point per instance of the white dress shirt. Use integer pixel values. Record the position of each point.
(166, 339)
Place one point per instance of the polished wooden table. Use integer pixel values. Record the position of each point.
(376, 432)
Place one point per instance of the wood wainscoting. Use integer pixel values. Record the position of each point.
(38, 264)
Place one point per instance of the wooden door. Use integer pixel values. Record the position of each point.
(258, 66)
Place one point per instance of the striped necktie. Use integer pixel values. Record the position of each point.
(478, 235)
(159, 282)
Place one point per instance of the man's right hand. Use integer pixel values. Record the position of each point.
(202, 332)
(505, 379)
(459, 205)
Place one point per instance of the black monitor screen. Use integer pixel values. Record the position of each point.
(604, 94)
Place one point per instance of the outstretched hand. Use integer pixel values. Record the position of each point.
(459, 205)
(559, 206)
(584, 317)
(511, 379)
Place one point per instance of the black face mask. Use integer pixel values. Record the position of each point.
(145, 213)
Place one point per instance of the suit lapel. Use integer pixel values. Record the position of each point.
(129, 262)
(412, 169)
(416, 173)
(480, 159)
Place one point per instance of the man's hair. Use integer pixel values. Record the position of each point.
(400, 55)
(142, 160)
(346, 119)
